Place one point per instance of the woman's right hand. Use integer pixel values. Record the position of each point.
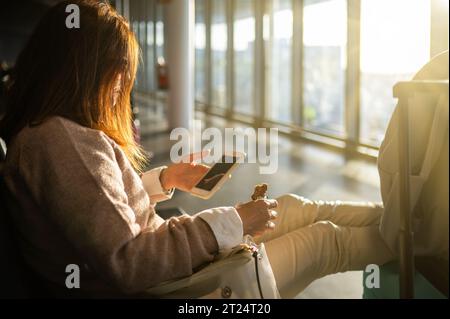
(255, 215)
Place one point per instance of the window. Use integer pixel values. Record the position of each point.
(304, 57)
(395, 44)
(244, 46)
(150, 65)
(160, 54)
(278, 27)
(324, 64)
(135, 28)
(218, 53)
(141, 15)
(200, 56)
(142, 43)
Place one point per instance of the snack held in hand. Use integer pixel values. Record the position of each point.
(260, 191)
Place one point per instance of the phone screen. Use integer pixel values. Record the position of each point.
(216, 173)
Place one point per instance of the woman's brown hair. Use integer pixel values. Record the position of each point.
(72, 72)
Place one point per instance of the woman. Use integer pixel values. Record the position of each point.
(72, 164)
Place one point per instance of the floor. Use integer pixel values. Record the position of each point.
(304, 169)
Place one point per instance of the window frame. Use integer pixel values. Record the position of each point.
(350, 141)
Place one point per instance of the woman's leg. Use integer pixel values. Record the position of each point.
(295, 212)
(303, 255)
(345, 213)
(316, 238)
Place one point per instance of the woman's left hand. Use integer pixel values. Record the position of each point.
(183, 176)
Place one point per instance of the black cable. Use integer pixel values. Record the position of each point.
(255, 256)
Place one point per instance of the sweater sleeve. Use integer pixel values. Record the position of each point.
(77, 181)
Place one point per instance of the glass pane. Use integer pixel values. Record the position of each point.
(324, 64)
(395, 43)
(278, 26)
(160, 31)
(135, 27)
(200, 43)
(244, 43)
(150, 55)
(142, 44)
(218, 53)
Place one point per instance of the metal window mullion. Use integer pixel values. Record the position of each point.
(155, 50)
(118, 5)
(136, 8)
(230, 5)
(297, 63)
(164, 13)
(142, 61)
(145, 49)
(438, 28)
(126, 9)
(352, 78)
(259, 103)
(432, 27)
(150, 33)
(132, 19)
(208, 60)
(268, 67)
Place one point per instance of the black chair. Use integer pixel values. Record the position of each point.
(16, 277)
(2, 151)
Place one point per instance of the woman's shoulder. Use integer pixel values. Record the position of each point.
(58, 133)
(54, 125)
(57, 127)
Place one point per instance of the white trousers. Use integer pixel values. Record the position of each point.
(313, 239)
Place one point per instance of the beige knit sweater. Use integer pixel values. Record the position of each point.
(82, 203)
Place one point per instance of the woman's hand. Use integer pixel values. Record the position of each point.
(183, 176)
(255, 215)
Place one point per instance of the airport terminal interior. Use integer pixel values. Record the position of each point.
(320, 72)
